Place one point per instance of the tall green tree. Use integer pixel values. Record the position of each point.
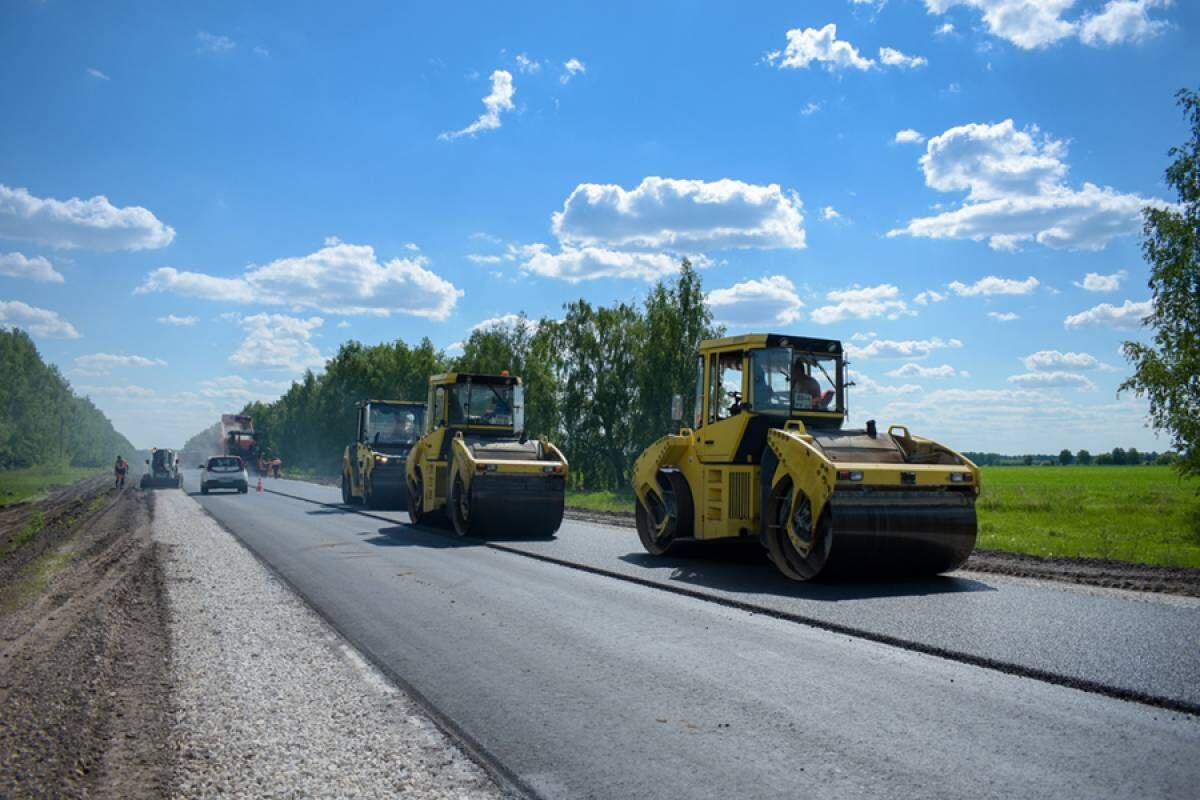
(1168, 372)
(675, 320)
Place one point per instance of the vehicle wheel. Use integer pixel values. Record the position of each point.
(416, 496)
(179, 482)
(245, 487)
(668, 516)
(203, 488)
(460, 507)
(798, 545)
(346, 498)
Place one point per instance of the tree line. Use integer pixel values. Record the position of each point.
(598, 382)
(1118, 456)
(43, 423)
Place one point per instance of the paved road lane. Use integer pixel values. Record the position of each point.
(1090, 635)
(585, 686)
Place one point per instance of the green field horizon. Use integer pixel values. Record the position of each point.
(1138, 514)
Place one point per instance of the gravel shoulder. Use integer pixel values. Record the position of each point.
(269, 700)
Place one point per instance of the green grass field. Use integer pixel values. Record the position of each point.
(22, 484)
(1139, 514)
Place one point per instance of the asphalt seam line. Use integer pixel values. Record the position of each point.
(1033, 673)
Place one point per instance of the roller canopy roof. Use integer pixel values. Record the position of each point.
(804, 343)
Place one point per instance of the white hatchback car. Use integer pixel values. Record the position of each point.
(224, 472)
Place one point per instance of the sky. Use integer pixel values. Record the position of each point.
(199, 203)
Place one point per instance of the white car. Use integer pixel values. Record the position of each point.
(224, 472)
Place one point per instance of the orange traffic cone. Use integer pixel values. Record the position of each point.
(259, 487)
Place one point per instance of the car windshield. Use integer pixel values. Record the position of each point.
(481, 404)
(388, 424)
(224, 464)
(785, 380)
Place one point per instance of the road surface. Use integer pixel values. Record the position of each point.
(580, 683)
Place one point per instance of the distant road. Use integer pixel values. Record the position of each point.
(589, 685)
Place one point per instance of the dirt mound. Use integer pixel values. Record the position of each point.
(84, 699)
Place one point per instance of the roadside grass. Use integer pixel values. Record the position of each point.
(1142, 514)
(32, 528)
(620, 500)
(17, 485)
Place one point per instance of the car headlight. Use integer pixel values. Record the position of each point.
(381, 459)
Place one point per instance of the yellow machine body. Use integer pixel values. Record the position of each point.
(474, 465)
(373, 464)
(768, 458)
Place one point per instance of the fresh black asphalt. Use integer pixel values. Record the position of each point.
(585, 686)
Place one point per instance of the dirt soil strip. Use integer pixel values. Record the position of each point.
(1084, 571)
(84, 698)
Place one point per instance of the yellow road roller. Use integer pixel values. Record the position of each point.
(373, 464)
(769, 457)
(476, 466)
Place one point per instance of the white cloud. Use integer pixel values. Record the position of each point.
(95, 224)
(894, 58)
(810, 108)
(909, 136)
(912, 348)
(819, 45)
(16, 265)
(1129, 315)
(772, 300)
(867, 385)
(237, 388)
(179, 322)
(97, 74)
(1032, 24)
(454, 349)
(527, 65)
(259, 50)
(505, 321)
(340, 278)
(104, 363)
(1003, 316)
(343, 324)
(136, 392)
(211, 43)
(1053, 360)
(573, 67)
(1122, 21)
(991, 285)
(574, 264)
(1053, 380)
(1013, 180)
(497, 102)
(863, 336)
(278, 342)
(914, 370)
(684, 214)
(38, 321)
(862, 302)
(1095, 282)
(484, 259)
(829, 213)
(929, 296)
(945, 29)
(1028, 24)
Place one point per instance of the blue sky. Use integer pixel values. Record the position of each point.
(197, 205)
